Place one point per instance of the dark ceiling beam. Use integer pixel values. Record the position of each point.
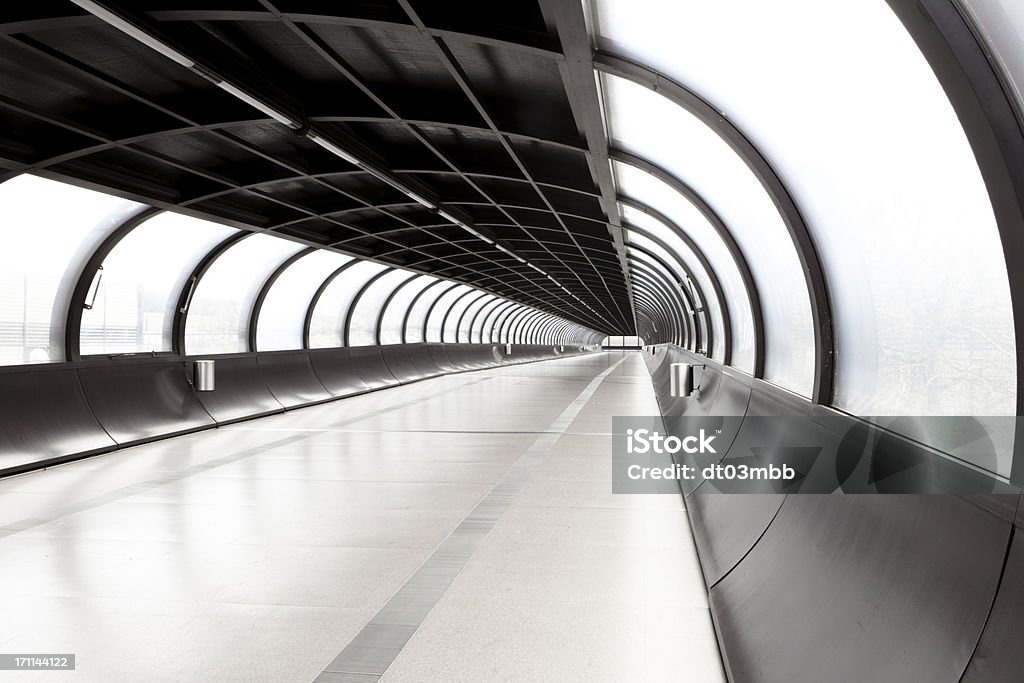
(577, 71)
(460, 77)
(87, 72)
(806, 251)
(106, 142)
(249, 147)
(325, 52)
(538, 46)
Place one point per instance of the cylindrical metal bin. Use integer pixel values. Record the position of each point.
(681, 375)
(204, 375)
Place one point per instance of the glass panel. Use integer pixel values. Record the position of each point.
(653, 192)
(506, 321)
(414, 331)
(671, 283)
(895, 222)
(391, 326)
(540, 333)
(639, 119)
(142, 279)
(656, 227)
(284, 310)
(667, 308)
(517, 330)
(451, 333)
(50, 231)
(523, 327)
(218, 318)
(476, 304)
(437, 315)
(325, 330)
(488, 333)
(656, 287)
(477, 334)
(363, 329)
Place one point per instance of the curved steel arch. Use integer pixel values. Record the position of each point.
(433, 305)
(528, 325)
(499, 317)
(472, 318)
(803, 242)
(654, 312)
(657, 289)
(746, 276)
(76, 302)
(716, 284)
(515, 328)
(412, 304)
(511, 323)
(669, 276)
(307, 323)
(346, 334)
(511, 314)
(689, 275)
(550, 333)
(661, 313)
(257, 305)
(661, 300)
(525, 326)
(680, 295)
(560, 332)
(541, 332)
(559, 304)
(451, 307)
(506, 303)
(493, 303)
(991, 117)
(387, 302)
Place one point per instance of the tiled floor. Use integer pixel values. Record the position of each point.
(257, 552)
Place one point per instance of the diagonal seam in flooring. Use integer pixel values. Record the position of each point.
(369, 654)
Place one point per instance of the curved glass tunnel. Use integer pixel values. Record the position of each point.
(463, 237)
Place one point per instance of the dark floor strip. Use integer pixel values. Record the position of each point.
(369, 654)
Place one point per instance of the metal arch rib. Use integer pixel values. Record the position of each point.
(695, 198)
(814, 273)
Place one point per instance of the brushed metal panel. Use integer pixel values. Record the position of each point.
(140, 401)
(862, 588)
(290, 377)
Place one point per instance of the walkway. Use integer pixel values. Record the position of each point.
(457, 529)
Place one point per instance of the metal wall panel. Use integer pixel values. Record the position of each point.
(241, 391)
(290, 377)
(140, 401)
(44, 417)
(406, 362)
(847, 587)
(862, 588)
(341, 375)
(439, 356)
(999, 657)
